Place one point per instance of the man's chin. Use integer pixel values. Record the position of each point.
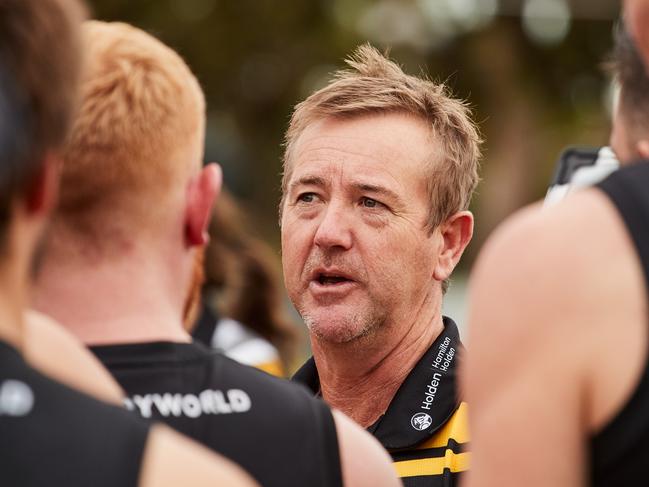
(337, 330)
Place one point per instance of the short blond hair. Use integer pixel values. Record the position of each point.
(140, 104)
(375, 84)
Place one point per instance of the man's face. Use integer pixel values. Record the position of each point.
(357, 254)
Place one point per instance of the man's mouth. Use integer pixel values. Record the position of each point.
(331, 279)
(328, 284)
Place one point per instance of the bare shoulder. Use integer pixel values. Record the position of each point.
(171, 459)
(363, 460)
(544, 268)
(53, 351)
(555, 294)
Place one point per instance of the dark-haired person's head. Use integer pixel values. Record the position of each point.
(40, 64)
(630, 132)
(636, 17)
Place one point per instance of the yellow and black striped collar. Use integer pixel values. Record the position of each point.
(425, 401)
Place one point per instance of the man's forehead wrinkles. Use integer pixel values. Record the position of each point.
(366, 175)
(309, 179)
(357, 146)
(383, 183)
(375, 179)
(327, 160)
(331, 154)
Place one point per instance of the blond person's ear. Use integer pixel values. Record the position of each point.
(202, 192)
(456, 233)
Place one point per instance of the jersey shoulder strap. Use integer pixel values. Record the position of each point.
(628, 189)
(619, 450)
(205, 325)
(330, 460)
(58, 436)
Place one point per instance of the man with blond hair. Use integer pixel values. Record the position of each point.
(120, 261)
(50, 433)
(378, 174)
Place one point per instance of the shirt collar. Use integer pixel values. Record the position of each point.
(425, 400)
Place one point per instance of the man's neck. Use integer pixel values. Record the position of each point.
(13, 290)
(361, 379)
(130, 300)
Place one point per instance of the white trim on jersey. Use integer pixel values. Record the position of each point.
(241, 344)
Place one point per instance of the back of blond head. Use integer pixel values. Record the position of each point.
(140, 108)
(375, 84)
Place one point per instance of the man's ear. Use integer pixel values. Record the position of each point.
(642, 147)
(201, 194)
(456, 233)
(43, 189)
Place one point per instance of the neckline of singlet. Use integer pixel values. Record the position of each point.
(6, 346)
(152, 352)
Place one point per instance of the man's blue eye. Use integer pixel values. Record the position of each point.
(370, 203)
(306, 197)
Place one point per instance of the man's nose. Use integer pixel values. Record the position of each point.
(335, 228)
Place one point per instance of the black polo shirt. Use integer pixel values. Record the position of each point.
(425, 427)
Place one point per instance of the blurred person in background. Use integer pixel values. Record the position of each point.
(50, 433)
(134, 207)
(379, 169)
(242, 312)
(558, 375)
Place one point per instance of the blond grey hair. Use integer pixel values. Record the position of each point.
(375, 84)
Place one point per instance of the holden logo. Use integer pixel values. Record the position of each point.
(421, 421)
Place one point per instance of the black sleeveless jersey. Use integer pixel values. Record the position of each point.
(272, 428)
(620, 451)
(53, 435)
